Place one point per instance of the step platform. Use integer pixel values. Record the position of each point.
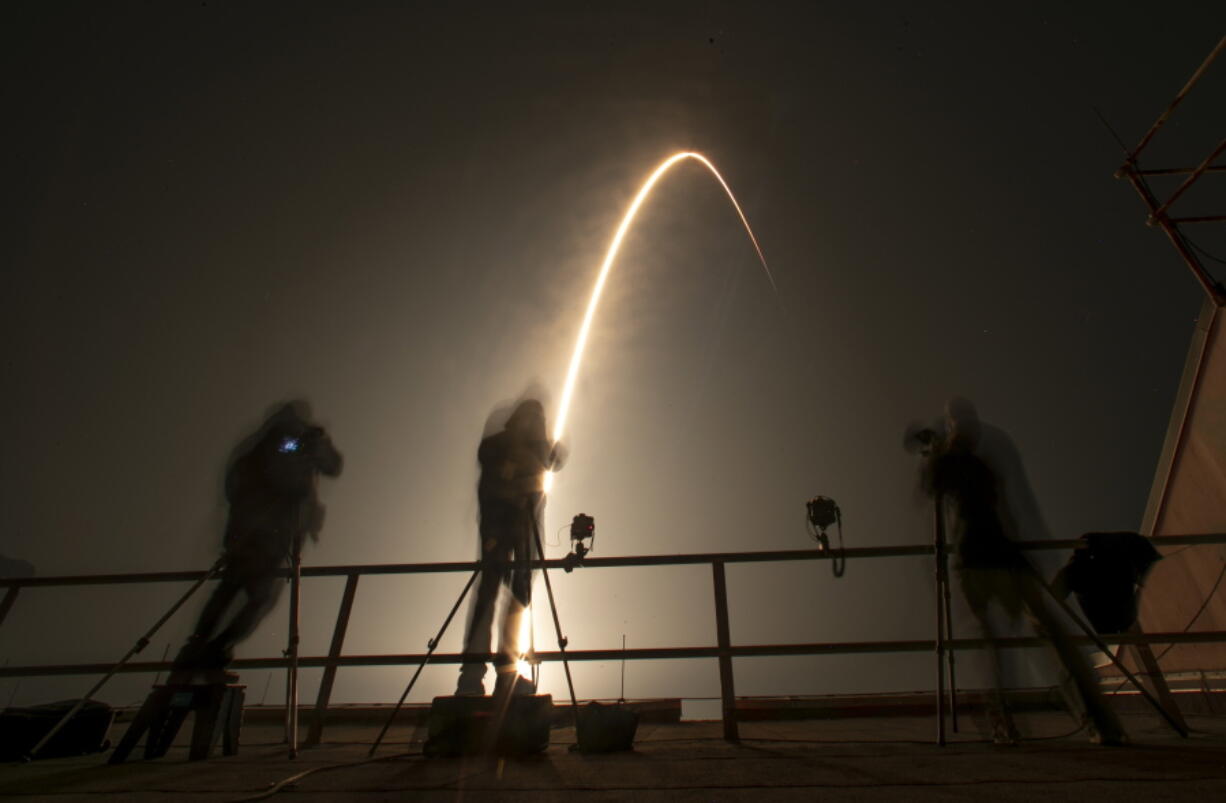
(515, 725)
(219, 714)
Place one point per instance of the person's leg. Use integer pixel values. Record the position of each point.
(477, 635)
(193, 652)
(1087, 703)
(262, 587)
(980, 586)
(509, 647)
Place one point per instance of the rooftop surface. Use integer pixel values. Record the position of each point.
(857, 758)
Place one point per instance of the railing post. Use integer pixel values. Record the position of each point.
(726, 685)
(334, 652)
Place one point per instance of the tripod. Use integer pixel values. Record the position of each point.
(1175, 724)
(140, 644)
(944, 635)
(944, 631)
(291, 650)
(432, 644)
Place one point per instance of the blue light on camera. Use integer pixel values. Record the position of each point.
(289, 445)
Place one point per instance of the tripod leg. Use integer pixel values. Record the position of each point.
(1180, 729)
(138, 728)
(140, 645)
(949, 634)
(432, 646)
(295, 598)
(1148, 667)
(557, 625)
(938, 539)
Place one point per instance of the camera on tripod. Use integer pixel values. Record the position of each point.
(582, 537)
(822, 512)
(920, 439)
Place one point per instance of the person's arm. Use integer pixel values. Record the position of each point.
(325, 456)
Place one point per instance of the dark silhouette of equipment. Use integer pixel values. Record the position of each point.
(218, 709)
(582, 539)
(823, 512)
(956, 478)
(606, 728)
(140, 644)
(516, 726)
(23, 727)
(1105, 574)
(505, 722)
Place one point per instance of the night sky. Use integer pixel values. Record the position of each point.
(398, 213)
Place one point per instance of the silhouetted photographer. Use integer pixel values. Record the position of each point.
(992, 568)
(510, 494)
(274, 506)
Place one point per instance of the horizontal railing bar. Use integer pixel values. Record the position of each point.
(1175, 171)
(637, 654)
(1199, 219)
(588, 563)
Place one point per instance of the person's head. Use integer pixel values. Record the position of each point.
(962, 424)
(287, 420)
(528, 420)
(290, 432)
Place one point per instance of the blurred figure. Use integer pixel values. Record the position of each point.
(1017, 506)
(271, 491)
(991, 567)
(510, 496)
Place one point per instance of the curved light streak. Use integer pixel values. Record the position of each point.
(576, 359)
(523, 642)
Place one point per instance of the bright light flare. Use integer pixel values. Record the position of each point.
(576, 359)
(523, 644)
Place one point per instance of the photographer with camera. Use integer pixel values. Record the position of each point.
(510, 495)
(991, 567)
(271, 490)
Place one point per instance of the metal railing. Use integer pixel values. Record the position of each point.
(723, 650)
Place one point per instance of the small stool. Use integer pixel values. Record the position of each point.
(517, 725)
(219, 714)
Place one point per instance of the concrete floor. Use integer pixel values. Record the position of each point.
(861, 758)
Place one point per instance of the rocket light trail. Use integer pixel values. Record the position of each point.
(581, 341)
(523, 643)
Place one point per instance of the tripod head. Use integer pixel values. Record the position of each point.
(822, 512)
(582, 538)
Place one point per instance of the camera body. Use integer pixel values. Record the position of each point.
(582, 536)
(921, 439)
(306, 449)
(582, 526)
(823, 512)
